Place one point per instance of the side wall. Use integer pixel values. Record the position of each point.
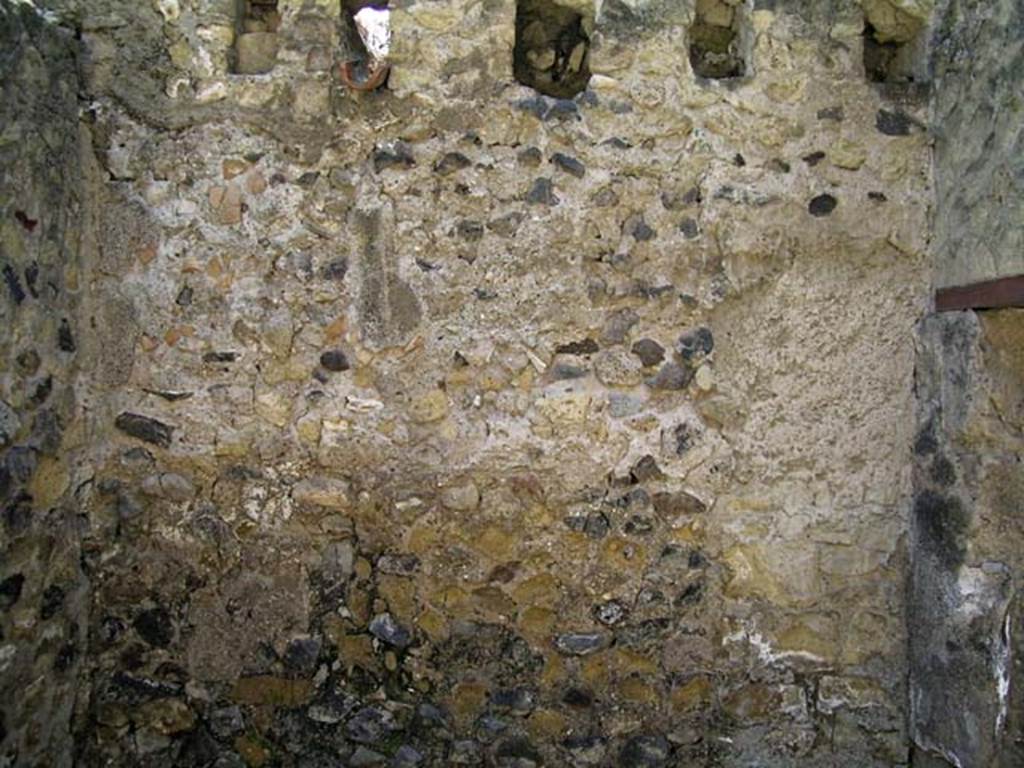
(453, 422)
(978, 119)
(964, 611)
(43, 592)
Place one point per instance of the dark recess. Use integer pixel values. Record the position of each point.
(552, 50)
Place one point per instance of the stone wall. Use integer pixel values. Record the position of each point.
(43, 239)
(978, 118)
(964, 613)
(452, 423)
(964, 609)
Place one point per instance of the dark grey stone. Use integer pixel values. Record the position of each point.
(517, 701)
(580, 643)
(649, 351)
(822, 205)
(155, 627)
(618, 326)
(671, 376)
(569, 164)
(470, 230)
(398, 564)
(10, 591)
(301, 654)
(53, 600)
(507, 225)
(65, 339)
(144, 428)
(334, 360)
(393, 154)
(645, 751)
(814, 158)
(542, 193)
(695, 344)
(582, 347)
(226, 721)
(335, 270)
(689, 228)
(450, 163)
(387, 630)
(638, 229)
(465, 752)
(363, 757)
(370, 725)
(610, 612)
(406, 757)
(893, 123)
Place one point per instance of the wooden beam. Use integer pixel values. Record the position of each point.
(991, 294)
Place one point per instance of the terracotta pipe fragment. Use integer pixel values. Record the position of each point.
(373, 82)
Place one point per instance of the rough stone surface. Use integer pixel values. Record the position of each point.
(456, 423)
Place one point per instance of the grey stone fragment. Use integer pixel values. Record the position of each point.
(465, 752)
(145, 428)
(695, 344)
(364, 757)
(610, 612)
(542, 193)
(671, 376)
(586, 750)
(507, 225)
(450, 163)
(338, 559)
(517, 752)
(637, 228)
(398, 564)
(334, 360)
(47, 432)
(617, 327)
(10, 591)
(645, 751)
(893, 123)
(561, 371)
(822, 205)
(649, 351)
(301, 654)
(621, 405)
(393, 154)
(569, 164)
(170, 486)
(517, 701)
(226, 721)
(405, 757)
(9, 424)
(387, 630)
(155, 626)
(531, 156)
(370, 725)
(580, 643)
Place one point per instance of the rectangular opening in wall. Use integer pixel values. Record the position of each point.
(894, 53)
(552, 48)
(718, 39)
(366, 43)
(256, 37)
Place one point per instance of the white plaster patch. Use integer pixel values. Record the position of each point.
(1002, 671)
(374, 27)
(765, 653)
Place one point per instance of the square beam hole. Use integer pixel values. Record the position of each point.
(256, 37)
(716, 39)
(552, 48)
